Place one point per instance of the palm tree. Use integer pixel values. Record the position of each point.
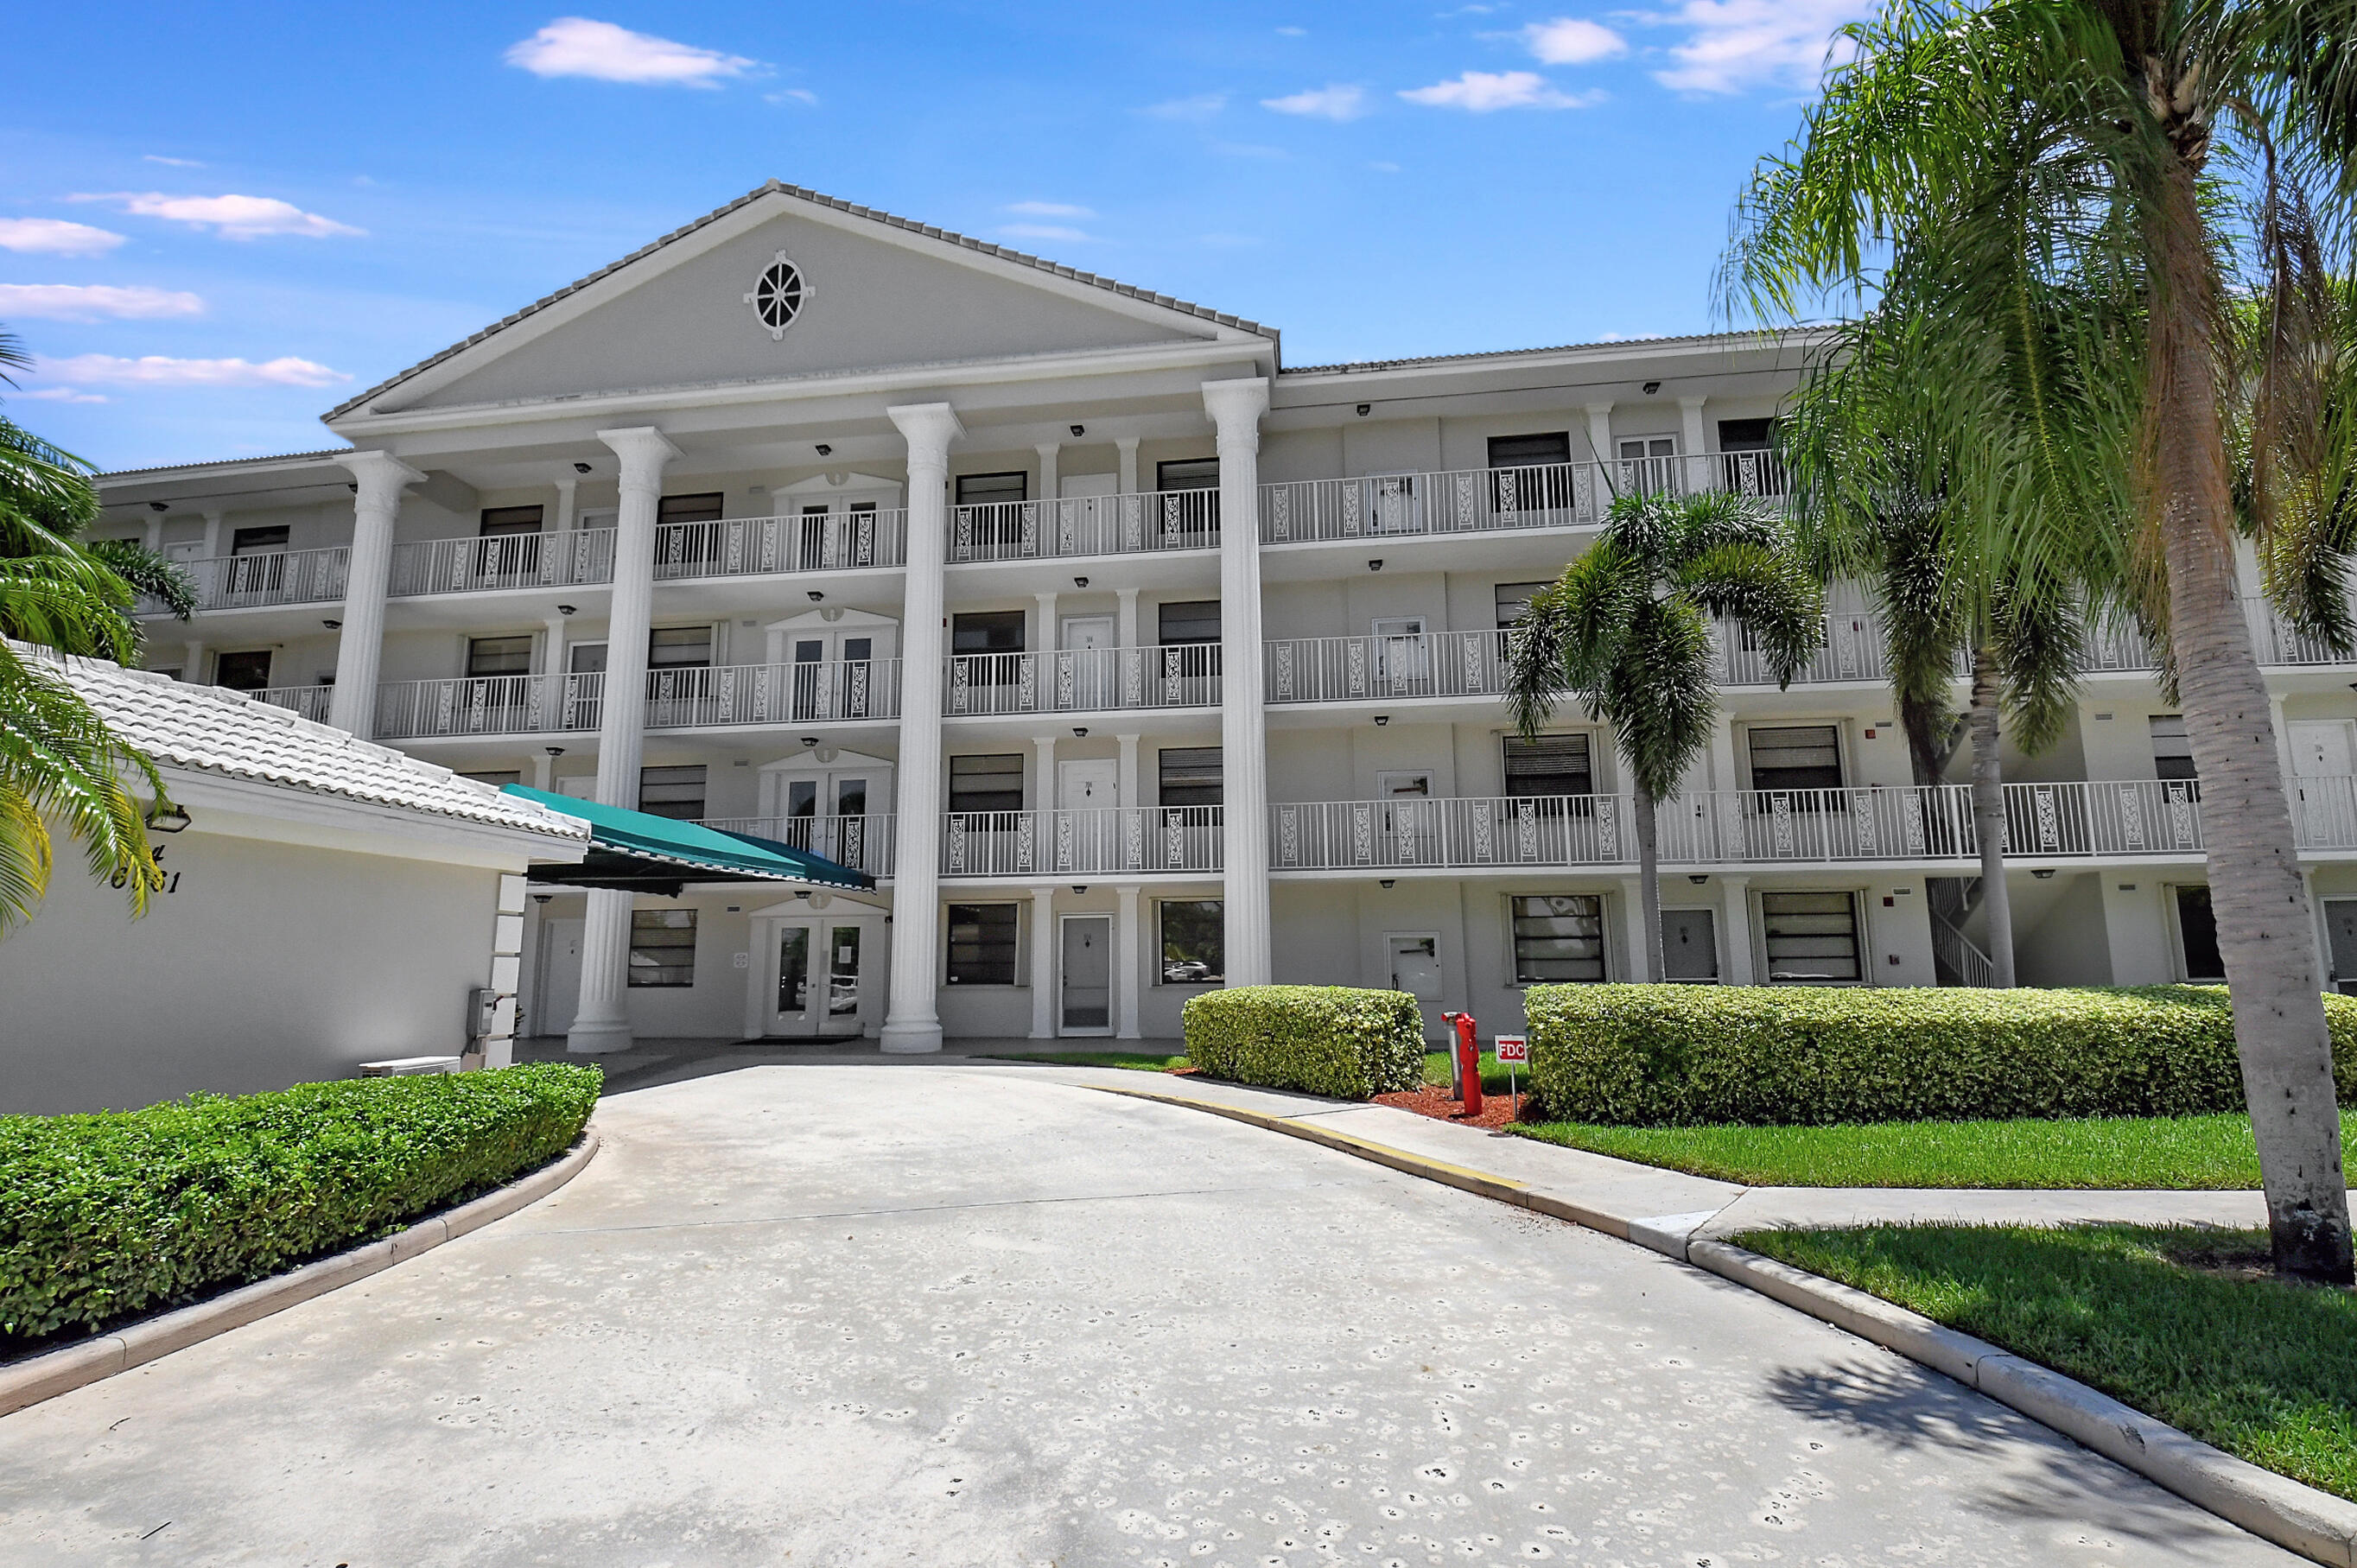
(1626, 630)
(2032, 181)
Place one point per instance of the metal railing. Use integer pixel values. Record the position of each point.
(1851, 649)
(1157, 839)
(1959, 955)
(756, 546)
(1472, 500)
(510, 560)
(1086, 525)
(310, 702)
(489, 705)
(700, 697)
(262, 578)
(1084, 680)
(863, 843)
(1351, 668)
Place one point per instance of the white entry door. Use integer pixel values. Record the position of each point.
(1087, 1007)
(816, 983)
(2323, 760)
(1085, 672)
(1087, 835)
(1403, 657)
(560, 977)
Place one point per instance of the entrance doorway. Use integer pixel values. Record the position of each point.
(1689, 945)
(1087, 975)
(821, 974)
(2340, 940)
(1084, 666)
(560, 977)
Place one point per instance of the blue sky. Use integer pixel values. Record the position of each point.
(218, 221)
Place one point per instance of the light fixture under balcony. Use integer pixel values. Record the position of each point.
(564, 609)
(1079, 732)
(1364, 409)
(824, 449)
(815, 596)
(1376, 564)
(810, 741)
(1080, 886)
(554, 750)
(542, 898)
(333, 625)
(1080, 430)
(1080, 582)
(160, 506)
(170, 820)
(1653, 387)
(1697, 881)
(1386, 885)
(581, 467)
(2044, 874)
(1382, 719)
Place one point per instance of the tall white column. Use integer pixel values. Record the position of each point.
(192, 662)
(1737, 892)
(1127, 447)
(1125, 793)
(913, 1021)
(1048, 453)
(601, 1023)
(1235, 408)
(1129, 975)
(213, 516)
(1633, 911)
(567, 487)
(155, 531)
(1599, 431)
(360, 647)
(1043, 963)
(1693, 441)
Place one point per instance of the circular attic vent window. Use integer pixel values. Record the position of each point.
(778, 298)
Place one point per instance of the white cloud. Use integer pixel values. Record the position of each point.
(156, 370)
(90, 302)
(231, 217)
(1732, 45)
(1203, 106)
(174, 163)
(55, 237)
(791, 95)
(1050, 209)
(574, 46)
(1481, 92)
(63, 394)
(1569, 40)
(1043, 232)
(1337, 100)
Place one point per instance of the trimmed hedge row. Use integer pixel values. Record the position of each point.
(1686, 1056)
(1326, 1039)
(114, 1213)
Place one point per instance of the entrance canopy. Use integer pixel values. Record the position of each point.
(646, 853)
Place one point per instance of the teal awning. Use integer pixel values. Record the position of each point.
(647, 854)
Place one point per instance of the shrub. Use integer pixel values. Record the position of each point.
(1327, 1040)
(1677, 1055)
(115, 1213)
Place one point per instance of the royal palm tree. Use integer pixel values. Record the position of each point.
(2051, 187)
(1627, 632)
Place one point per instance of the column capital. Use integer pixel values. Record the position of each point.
(641, 445)
(1596, 410)
(929, 428)
(1236, 406)
(1691, 403)
(379, 473)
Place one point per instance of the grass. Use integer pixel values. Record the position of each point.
(2174, 1321)
(2157, 1152)
(1143, 1061)
(1493, 1077)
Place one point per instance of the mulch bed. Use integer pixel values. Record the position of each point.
(1432, 1099)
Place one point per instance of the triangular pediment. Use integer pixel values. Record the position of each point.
(866, 293)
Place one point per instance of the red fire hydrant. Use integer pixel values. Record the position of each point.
(1468, 1063)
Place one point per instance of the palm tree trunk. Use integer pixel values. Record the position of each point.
(1649, 884)
(1988, 816)
(2266, 931)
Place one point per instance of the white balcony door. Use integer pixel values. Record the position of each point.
(1087, 679)
(1403, 656)
(2322, 759)
(1087, 979)
(1086, 786)
(1410, 816)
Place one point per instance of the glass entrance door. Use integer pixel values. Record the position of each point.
(818, 986)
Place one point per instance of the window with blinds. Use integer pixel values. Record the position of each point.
(1549, 765)
(1513, 601)
(1530, 451)
(1189, 622)
(674, 792)
(1558, 938)
(662, 947)
(989, 490)
(987, 783)
(986, 631)
(1797, 757)
(1812, 938)
(1188, 473)
(702, 508)
(2172, 750)
(981, 944)
(679, 648)
(1190, 776)
(508, 521)
(488, 656)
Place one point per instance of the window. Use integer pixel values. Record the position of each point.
(777, 296)
(1811, 937)
(1513, 601)
(1551, 765)
(1530, 451)
(674, 792)
(679, 648)
(1188, 473)
(496, 777)
(254, 541)
(703, 507)
(1190, 776)
(488, 655)
(2172, 750)
(1558, 938)
(507, 521)
(1194, 942)
(245, 672)
(1648, 466)
(1746, 434)
(2197, 935)
(986, 631)
(1189, 622)
(585, 659)
(991, 490)
(987, 783)
(1802, 756)
(1639, 447)
(662, 947)
(1748, 464)
(981, 944)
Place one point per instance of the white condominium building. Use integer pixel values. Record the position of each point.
(1127, 658)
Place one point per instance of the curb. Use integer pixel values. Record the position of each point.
(55, 1372)
(2316, 1524)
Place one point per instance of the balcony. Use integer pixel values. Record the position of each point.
(863, 843)
(1086, 525)
(308, 701)
(263, 578)
(1083, 681)
(1357, 668)
(761, 546)
(726, 696)
(1480, 500)
(2104, 820)
(1149, 840)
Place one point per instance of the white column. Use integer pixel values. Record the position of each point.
(1633, 913)
(566, 487)
(213, 516)
(192, 662)
(1599, 431)
(1736, 892)
(912, 1022)
(1043, 794)
(2283, 735)
(1127, 447)
(1126, 619)
(1129, 978)
(544, 769)
(1236, 408)
(1693, 441)
(360, 647)
(155, 531)
(1043, 963)
(1049, 452)
(1125, 793)
(601, 1022)
(1047, 643)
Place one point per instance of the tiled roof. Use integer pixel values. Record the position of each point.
(210, 729)
(779, 187)
(332, 452)
(1732, 340)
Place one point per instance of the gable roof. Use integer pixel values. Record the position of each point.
(778, 187)
(210, 729)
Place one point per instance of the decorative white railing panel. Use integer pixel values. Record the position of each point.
(1359, 669)
(263, 578)
(1082, 680)
(1145, 840)
(677, 699)
(759, 546)
(1473, 500)
(514, 560)
(1086, 525)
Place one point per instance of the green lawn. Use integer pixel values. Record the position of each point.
(1493, 1077)
(1143, 1061)
(2263, 1370)
(2180, 1151)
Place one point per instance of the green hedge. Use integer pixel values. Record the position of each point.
(119, 1212)
(1327, 1040)
(1688, 1055)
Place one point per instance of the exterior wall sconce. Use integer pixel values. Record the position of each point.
(1080, 582)
(1079, 732)
(1653, 387)
(554, 750)
(581, 467)
(564, 609)
(169, 820)
(2044, 874)
(542, 898)
(1697, 881)
(160, 506)
(824, 449)
(1080, 430)
(1382, 719)
(810, 741)
(815, 596)
(1376, 565)
(1387, 885)
(1080, 886)
(1364, 409)
(333, 625)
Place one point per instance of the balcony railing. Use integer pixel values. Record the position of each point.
(510, 560)
(1086, 525)
(311, 702)
(863, 843)
(1084, 680)
(757, 546)
(1473, 500)
(1852, 650)
(703, 697)
(265, 577)
(2123, 819)
(1351, 668)
(1148, 840)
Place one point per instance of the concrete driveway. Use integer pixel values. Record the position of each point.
(952, 1315)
